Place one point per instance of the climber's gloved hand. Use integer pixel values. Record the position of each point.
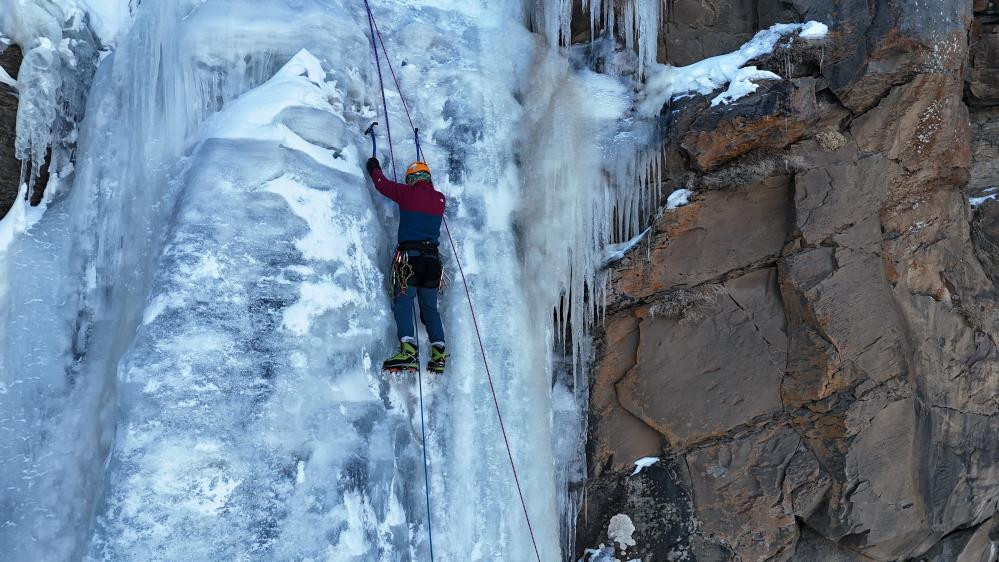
(373, 164)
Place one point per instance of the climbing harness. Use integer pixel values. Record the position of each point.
(375, 33)
(401, 273)
(425, 266)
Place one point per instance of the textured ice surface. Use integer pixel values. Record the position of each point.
(637, 21)
(212, 304)
(250, 422)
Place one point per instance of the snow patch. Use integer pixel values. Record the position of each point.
(703, 77)
(742, 84)
(621, 530)
(617, 252)
(255, 114)
(976, 201)
(814, 30)
(643, 463)
(16, 220)
(7, 78)
(315, 299)
(679, 198)
(107, 17)
(315, 207)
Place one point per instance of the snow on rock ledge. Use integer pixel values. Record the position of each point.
(666, 82)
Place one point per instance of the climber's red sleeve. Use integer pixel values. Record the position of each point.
(387, 187)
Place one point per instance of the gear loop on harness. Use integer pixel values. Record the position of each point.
(428, 269)
(402, 272)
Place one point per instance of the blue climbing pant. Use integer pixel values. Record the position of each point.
(402, 307)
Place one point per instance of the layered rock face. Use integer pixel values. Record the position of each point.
(10, 166)
(810, 346)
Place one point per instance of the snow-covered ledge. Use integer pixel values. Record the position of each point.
(666, 82)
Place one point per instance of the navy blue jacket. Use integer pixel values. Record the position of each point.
(421, 207)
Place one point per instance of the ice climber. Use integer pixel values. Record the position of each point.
(416, 267)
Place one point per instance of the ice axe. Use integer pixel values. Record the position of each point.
(374, 142)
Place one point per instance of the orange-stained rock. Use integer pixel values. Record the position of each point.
(778, 114)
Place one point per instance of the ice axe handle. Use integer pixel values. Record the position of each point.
(374, 141)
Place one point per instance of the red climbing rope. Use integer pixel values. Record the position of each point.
(381, 85)
(388, 61)
(454, 251)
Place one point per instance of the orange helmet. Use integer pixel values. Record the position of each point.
(417, 167)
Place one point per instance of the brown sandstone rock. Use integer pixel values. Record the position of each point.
(854, 417)
(886, 43)
(744, 490)
(708, 377)
(655, 501)
(618, 437)
(697, 29)
(985, 149)
(708, 240)
(983, 545)
(982, 77)
(812, 547)
(878, 362)
(985, 234)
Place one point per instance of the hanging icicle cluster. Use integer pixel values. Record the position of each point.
(636, 22)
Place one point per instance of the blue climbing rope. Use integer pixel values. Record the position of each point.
(423, 434)
(388, 129)
(492, 389)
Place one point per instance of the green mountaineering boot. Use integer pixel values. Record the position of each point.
(438, 358)
(408, 359)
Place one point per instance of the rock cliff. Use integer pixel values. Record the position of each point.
(810, 345)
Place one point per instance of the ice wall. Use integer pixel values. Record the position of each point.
(193, 331)
(253, 420)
